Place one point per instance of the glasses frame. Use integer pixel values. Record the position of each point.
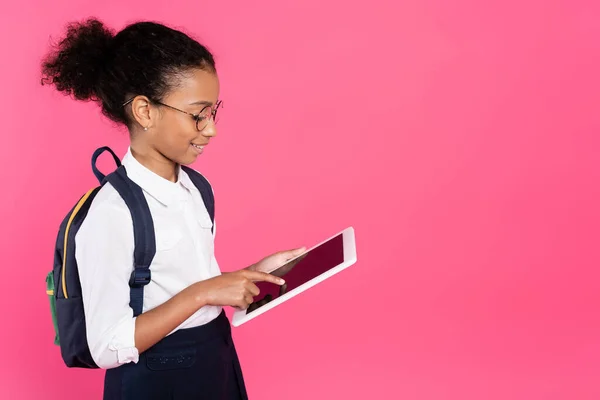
(197, 117)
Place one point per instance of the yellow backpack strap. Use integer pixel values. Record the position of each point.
(73, 214)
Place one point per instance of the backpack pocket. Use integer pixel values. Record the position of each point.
(52, 298)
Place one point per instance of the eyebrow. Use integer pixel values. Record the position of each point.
(201, 103)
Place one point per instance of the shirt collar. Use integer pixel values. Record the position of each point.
(185, 180)
(163, 190)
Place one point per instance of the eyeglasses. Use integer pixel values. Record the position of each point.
(202, 118)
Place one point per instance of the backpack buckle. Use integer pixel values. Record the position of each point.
(139, 278)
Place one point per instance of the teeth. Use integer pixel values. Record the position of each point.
(198, 147)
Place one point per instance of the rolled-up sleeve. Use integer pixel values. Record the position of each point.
(104, 253)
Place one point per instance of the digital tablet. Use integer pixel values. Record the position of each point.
(301, 273)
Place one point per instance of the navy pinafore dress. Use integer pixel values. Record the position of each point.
(196, 363)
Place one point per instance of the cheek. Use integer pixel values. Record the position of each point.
(178, 135)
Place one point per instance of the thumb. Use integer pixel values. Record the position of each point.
(295, 252)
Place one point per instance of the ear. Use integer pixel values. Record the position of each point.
(141, 108)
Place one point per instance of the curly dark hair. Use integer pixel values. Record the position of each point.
(145, 58)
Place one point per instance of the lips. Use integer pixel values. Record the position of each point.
(198, 147)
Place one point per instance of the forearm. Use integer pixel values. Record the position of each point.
(155, 324)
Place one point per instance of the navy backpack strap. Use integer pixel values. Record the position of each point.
(99, 175)
(205, 190)
(143, 231)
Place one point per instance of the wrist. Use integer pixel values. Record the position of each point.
(200, 294)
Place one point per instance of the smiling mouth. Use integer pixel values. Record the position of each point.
(197, 146)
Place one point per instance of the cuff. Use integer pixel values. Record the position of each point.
(123, 343)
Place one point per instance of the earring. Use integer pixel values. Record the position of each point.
(146, 128)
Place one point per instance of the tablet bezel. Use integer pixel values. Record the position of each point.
(240, 317)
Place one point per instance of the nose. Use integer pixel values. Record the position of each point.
(210, 130)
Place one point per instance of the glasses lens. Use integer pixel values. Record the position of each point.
(206, 115)
(215, 113)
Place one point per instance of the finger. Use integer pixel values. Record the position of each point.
(249, 300)
(253, 289)
(263, 277)
(264, 301)
(283, 289)
(242, 303)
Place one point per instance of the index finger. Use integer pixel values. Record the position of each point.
(257, 276)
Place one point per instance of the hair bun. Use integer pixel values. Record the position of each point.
(78, 61)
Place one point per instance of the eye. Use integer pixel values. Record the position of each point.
(205, 113)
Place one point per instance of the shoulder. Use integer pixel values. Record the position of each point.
(108, 201)
(105, 238)
(107, 212)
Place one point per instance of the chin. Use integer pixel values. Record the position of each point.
(187, 160)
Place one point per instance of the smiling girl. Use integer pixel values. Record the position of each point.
(163, 86)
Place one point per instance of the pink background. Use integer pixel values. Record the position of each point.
(460, 139)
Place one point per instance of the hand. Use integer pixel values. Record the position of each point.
(274, 261)
(236, 289)
(267, 298)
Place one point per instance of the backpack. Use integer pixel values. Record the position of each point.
(62, 283)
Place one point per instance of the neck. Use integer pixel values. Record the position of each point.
(155, 162)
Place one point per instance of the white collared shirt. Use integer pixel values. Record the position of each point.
(104, 254)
